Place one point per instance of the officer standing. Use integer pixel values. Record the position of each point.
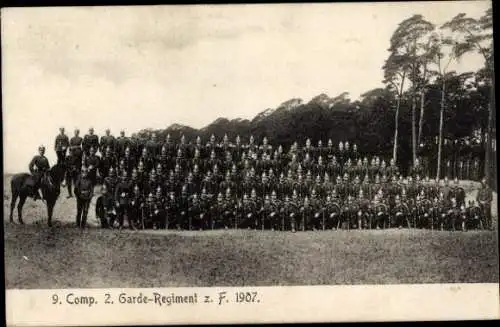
(73, 167)
(75, 145)
(484, 198)
(108, 141)
(84, 191)
(61, 145)
(122, 197)
(90, 141)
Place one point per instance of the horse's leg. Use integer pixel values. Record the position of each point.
(15, 195)
(50, 209)
(22, 199)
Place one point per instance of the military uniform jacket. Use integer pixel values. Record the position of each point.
(122, 143)
(73, 163)
(122, 193)
(110, 183)
(84, 188)
(90, 141)
(61, 143)
(104, 205)
(41, 163)
(75, 145)
(108, 141)
(92, 162)
(484, 195)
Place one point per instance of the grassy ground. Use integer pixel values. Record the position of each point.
(63, 257)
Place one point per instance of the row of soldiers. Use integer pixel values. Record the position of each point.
(171, 170)
(345, 206)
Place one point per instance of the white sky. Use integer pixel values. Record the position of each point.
(138, 67)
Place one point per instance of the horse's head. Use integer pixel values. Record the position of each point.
(57, 173)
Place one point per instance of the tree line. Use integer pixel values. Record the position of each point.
(422, 102)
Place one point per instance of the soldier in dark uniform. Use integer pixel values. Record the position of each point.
(122, 198)
(75, 145)
(276, 215)
(147, 160)
(160, 216)
(191, 187)
(152, 184)
(294, 211)
(149, 212)
(171, 211)
(135, 208)
(247, 213)
(105, 207)
(39, 166)
(111, 181)
(84, 191)
(170, 147)
(355, 187)
(217, 211)
(484, 198)
(205, 203)
(183, 207)
(92, 162)
(319, 150)
(90, 141)
(108, 141)
(61, 145)
(107, 161)
(317, 218)
(153, 146)
(73, 167)
(122, 142)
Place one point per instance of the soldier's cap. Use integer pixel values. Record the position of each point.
(41, 147)
(91, 129)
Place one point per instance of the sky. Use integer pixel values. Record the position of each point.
(149, 67)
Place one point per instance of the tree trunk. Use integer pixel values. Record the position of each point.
(413, 127)
(421, 120)
(395, 148)
(396, 127)
(440, 139)
(489, 135)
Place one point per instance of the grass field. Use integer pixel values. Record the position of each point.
(37, 256)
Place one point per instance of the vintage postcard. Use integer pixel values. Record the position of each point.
(249, 163)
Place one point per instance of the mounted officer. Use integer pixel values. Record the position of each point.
(39, 166)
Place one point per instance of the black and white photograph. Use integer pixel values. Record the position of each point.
(269, 145)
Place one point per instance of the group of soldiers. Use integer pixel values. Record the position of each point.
(222, 184)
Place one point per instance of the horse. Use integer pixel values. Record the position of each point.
(22, 188)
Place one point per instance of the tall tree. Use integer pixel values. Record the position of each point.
(409, 47)
(476, 35)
